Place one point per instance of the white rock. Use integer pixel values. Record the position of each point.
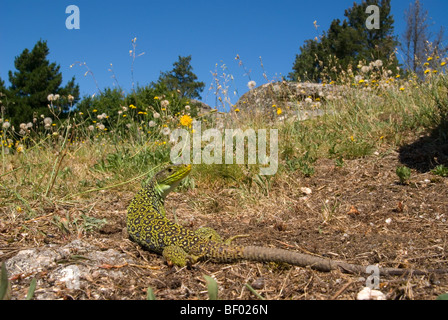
(370, 294)
(306, 190)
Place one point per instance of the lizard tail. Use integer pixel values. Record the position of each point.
(318, 263)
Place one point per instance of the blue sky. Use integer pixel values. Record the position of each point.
(212, 32)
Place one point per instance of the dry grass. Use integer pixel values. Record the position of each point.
(65, 187)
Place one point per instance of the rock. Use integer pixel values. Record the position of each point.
(369, 294)
(304, 98)
(259, 283)
(35, 260)
(66, 267)
(70, 275)
(203, 108)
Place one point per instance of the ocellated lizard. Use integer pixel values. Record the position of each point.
(148, 225)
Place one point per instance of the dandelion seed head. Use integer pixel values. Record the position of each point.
(251, 84)
(164, 103)
(166, 131)
(365, 69)
(378, 63)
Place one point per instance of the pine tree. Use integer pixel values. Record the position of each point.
(2, 86)
(376, 43)
(3, 97)
(182, 79)
(346, 43)
(306, 65)
(33, 81)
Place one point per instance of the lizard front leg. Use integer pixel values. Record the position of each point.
(175, 255)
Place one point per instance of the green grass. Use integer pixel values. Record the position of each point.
(440, 170)
(78, 157)
(404, 174)
(68, 164)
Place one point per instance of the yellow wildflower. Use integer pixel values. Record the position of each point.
(429, 58)
(186, 120)
(443, 63)
(279, 111)
(237, 110)
(94, 110)
(402, 89)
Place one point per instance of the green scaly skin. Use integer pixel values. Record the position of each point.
(148, 226)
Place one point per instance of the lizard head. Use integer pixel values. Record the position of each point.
(170, 177)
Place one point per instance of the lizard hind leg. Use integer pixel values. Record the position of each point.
(175, 255)
(211, 234)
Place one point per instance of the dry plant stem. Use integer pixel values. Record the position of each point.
(109, 187)
(58, 162)
(342, 289)
(55, 172)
